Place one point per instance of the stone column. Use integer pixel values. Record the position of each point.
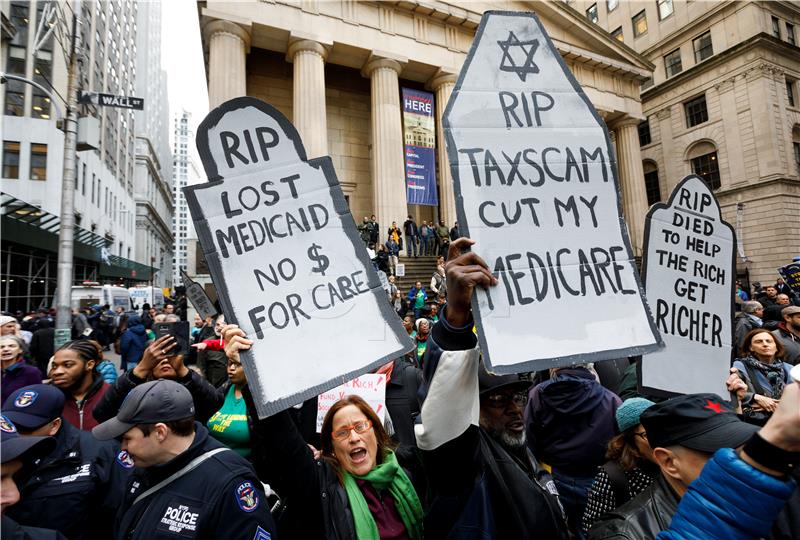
(228, 45)
(442, 84)
(388, 166)
(631, 179)
(308, 95)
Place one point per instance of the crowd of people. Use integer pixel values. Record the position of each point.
(170, 444)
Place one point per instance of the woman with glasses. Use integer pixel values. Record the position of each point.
(630, 467)
(357, 488)
(230, 425)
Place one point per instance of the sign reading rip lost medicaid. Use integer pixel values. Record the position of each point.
(285, 256)
(688, 270)
(536, 188)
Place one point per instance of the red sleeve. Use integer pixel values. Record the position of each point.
(214, 344)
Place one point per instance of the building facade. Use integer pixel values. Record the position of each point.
(153, 179)
(724, 103)
(336, 68)
(184, 172)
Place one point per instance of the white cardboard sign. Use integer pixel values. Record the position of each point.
(689, 274)
(285, 255)
(536, 188)
(370, 386)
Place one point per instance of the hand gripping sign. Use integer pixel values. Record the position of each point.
(689, 274)
(536, 187)
(285, 256)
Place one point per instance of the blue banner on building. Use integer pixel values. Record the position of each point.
(419, 132)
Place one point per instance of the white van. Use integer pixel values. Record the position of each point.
(146, 295)
(88, 295)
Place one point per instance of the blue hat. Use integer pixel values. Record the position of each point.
(33, 406)
(629, 412)
(13, 445)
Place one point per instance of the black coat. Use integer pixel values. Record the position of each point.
(410, 228)
(76, 489)
(14, 531)
(402, 401)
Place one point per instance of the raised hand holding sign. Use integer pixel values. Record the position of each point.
(286, 259)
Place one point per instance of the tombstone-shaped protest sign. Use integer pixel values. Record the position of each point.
(689, 273)
(198, 297)
(286, 259)
(536, 188)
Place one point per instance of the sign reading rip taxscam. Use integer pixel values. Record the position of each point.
(689, 274)
(536, 188)
(285, 256)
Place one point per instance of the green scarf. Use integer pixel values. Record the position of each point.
(391, 475)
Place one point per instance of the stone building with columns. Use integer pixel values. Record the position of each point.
(724, 102)
(335, 69)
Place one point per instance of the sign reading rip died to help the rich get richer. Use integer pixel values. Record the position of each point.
(688, 270)
(370, 386)
(286, 259)
(536, 188)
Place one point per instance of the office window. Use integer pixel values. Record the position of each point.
(83, 181)
(77, 170)
(776, 27)
(702, 47)
(611, 5)
(644, 133)
(651, 183)
(639, 24)
(665, 9)
(15, 90)
(707, 168)
(672, 63)
(591, 13)
(790, 92)
(797, 155)
(696, 111)
(617, 34)
(790, 33)
(10, 159)
(38, 161)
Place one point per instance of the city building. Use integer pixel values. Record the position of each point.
(184, 172)
(153, 179)
(724, 103)
(336, 68)
(36, 44)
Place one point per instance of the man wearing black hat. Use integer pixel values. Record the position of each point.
(186, 484)
(482, 476)
(76, 487)
(684, 432)
(17, 453)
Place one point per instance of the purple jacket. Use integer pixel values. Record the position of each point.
(18, 375)
(569, 421)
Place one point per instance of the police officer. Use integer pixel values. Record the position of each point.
(185, 484)
(77, 487)
(17, 453)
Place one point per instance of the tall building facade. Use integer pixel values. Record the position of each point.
(184, 172)
(724, 103)
(153, 179)
(335, 69)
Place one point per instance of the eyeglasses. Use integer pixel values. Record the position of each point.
(235, 365)
(359, 427)
(641, 434)
(501, 401)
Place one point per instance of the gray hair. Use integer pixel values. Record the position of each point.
(751, 307)
(18, 340)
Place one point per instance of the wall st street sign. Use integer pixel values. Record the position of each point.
(110, 100)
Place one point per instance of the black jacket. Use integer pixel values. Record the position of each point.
(207, 399)
(11, 530)
(643, 517)
(219, 499)
(42, 347)
(410, 228)
(402, 401)
(76, 489)
(316, 502)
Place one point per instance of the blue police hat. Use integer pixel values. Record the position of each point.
(33, 406)
(13, 445)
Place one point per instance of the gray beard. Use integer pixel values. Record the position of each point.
(508, 440)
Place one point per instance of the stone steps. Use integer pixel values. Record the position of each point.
(417, 269)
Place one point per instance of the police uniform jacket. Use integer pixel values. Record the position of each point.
(76, 489)
(219, 499)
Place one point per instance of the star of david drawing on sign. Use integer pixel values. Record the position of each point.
(510, 56)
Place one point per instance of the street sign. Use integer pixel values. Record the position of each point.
(110, 100)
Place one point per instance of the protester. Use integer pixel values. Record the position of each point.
(394, 233)
(230, 425)
(438, 283)
(420, 336)
(393, 250)
(408, 324)
(749, 319)
(211, 357)
(412, 235)
(483, 479)
(455, 234)
(374, 229)
(43, 344)
(765, 373)
(159, 362)
(211, 493)
(8, 325)
(683, 432)
(79, 324)
(773, 314)
(630, 468)
(569, 420)
(77, 487)
(16, 371)
(132, 343)
(768, 296)
(402, 401)
(416, 298)
(16, 454)
(788, 334)
(399, 304)
(74, 372)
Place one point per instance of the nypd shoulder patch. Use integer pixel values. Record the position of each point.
(246, 496)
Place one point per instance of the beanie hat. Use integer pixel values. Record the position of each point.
(5, 319)
(629, 412)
